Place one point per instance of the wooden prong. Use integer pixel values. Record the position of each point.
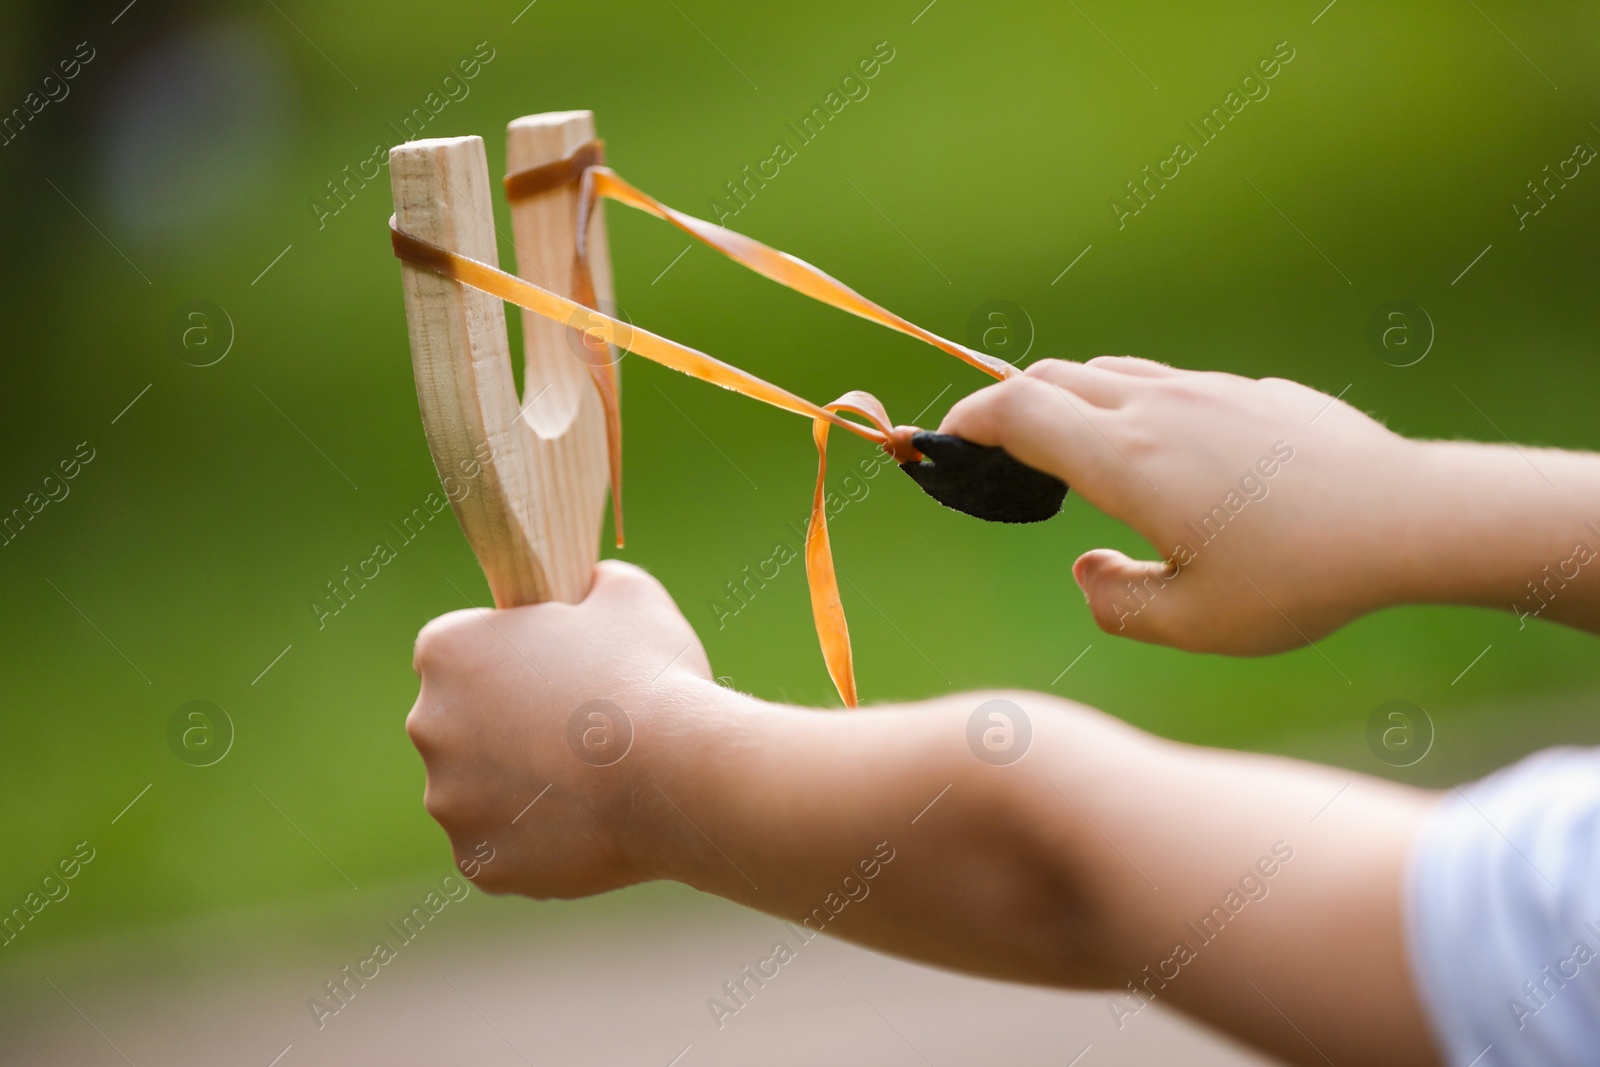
(559, 399)
(511, 487)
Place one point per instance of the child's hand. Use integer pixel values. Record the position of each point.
(1278, 508)
(504, 714)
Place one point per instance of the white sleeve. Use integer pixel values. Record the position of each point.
(1503, 915)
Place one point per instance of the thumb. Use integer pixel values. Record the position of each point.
(1129, 597)
(620, 582)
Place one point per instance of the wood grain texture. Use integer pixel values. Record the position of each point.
(529, 494)
(561, 403)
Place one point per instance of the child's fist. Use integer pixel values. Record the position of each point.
(531, 722)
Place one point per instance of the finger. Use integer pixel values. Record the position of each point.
(619, 582)
(445, 639)
(1135, 367)
(1130, 597)
(1098, 386)
(1045, 425)
(420, 723)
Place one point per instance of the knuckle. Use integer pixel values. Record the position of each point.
(492, 882)
(437, 802)
(1045, 370)
(442, 640)
(1024, 391)
(1135, 438)
(1186, 391)
(1009, 399)
(485, 877)
(418, 727)
(637, 581)
(616, 584)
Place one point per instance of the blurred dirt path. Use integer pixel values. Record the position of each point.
(590, 985)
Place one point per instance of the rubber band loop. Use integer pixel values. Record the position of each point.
(563, 172)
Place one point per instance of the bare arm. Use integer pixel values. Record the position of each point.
(1085, 863)
(1281, 513)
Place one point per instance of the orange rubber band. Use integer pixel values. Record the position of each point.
(585, 166)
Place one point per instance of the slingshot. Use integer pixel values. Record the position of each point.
(543, 464)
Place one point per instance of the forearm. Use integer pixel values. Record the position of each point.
(774, 807)
(1267, 902)
(1502, 526)
(1086, 863)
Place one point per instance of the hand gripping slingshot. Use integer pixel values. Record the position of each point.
(541, 465)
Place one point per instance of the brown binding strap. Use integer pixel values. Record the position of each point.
(596, 180)
(557, 175)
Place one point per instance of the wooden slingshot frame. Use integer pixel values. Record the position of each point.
(540, 463)
(533, 511)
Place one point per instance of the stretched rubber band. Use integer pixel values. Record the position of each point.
(585, 166)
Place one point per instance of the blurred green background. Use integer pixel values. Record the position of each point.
(182, 167)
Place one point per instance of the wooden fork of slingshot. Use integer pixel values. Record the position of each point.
(537, 468)
(533, 469)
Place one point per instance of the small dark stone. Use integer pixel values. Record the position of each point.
(984, 481)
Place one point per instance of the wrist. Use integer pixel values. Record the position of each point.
(693, 738)
(1487, 523)
(1366, 537)
(1400, 553)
